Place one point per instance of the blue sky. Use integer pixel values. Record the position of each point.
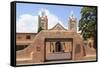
(61, 12)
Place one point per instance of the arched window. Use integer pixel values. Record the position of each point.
(28, 37)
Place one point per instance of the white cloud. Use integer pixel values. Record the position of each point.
(28, 23)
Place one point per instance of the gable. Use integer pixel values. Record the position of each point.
(58, 27)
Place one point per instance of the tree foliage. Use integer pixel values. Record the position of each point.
(87, 23)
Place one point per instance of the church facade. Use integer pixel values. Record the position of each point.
(52, 44)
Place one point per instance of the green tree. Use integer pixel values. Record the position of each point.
(39, 29)
(87, 23)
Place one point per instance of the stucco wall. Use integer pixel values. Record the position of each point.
(36, 48)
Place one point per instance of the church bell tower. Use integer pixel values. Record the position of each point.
(72, 23)
(43, 21)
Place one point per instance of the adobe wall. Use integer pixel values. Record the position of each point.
(36, 50)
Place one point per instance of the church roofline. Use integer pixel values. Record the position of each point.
(56, 25)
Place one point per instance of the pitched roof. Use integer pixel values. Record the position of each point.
(58, 26)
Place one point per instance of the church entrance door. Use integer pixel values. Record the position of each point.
(58, 46)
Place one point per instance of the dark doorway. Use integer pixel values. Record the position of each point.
(84, 53)
(58, 46)
(20, 47)
(90, 44)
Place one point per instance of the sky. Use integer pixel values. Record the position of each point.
(27, 15)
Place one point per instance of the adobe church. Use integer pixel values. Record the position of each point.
(52, 44)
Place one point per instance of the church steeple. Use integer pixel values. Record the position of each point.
(72, 23)
(43, 20)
